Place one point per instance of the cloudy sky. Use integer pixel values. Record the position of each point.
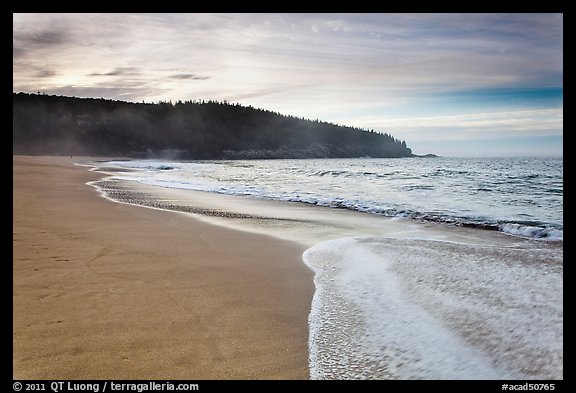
(449, 84)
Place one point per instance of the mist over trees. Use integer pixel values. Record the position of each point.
(58, 125)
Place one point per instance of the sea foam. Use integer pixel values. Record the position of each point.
(419, 309)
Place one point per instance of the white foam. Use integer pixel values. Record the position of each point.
(146, 164)
(406, 309)
(546, 233)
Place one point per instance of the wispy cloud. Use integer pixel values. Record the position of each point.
(544, 122)
(133, 93)
(42, 37)
(189, 76)
(119, 71)
(45, 73)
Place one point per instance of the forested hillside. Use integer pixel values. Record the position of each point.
(57, 125)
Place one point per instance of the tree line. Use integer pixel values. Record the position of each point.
(60, 125)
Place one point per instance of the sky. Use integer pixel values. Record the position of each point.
(456, 85)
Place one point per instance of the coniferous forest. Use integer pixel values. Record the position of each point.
(57, 125)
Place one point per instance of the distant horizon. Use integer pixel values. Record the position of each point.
(443, 82)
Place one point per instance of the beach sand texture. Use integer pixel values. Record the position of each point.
(103, 290)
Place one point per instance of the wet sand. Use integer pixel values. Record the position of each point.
(104, 290)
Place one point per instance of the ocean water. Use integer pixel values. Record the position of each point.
(519, 196)
(439, 268)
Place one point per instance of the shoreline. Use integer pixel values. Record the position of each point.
(107, 290)
(395, 246)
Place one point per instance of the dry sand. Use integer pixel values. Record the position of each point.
(104, 290)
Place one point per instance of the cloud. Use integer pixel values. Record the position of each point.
(543, 122)
(27, 44)
(404, 50)
(32, 34)
(43, 37)
(45, 73)
(119, 71)
(133, 93)
(17, 52)
(189, 76)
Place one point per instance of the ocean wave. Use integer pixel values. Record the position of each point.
(374, 188)
(520, 230)
(144, 165)
(534, 232)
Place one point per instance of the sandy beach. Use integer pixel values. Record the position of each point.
(104, 290)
